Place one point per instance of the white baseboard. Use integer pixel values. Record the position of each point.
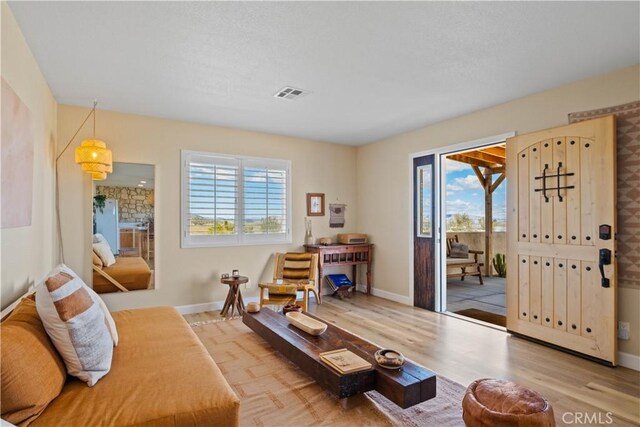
(386, 295)
(208, 306)
(630, 361)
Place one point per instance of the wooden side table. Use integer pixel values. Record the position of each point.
(234, 297)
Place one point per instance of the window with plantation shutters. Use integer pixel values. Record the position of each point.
(234, 200)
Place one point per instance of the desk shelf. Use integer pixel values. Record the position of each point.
(339, 255)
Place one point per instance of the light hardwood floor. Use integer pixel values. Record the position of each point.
(465, 351)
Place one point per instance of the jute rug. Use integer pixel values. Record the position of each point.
(274, 392)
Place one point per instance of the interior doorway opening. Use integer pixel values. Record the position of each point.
(474, 233)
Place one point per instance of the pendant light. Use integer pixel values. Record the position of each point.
(93, 155)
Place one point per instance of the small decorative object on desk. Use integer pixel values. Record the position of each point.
(235, 273)
(325, 241)
(389, 359)
(345, 361)
(291, 307)
(253, 307)
(224, 276)
(306, 323)
(308, 236)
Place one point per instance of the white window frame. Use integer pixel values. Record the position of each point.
(239, 239)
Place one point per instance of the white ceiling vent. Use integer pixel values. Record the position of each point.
(289, 92)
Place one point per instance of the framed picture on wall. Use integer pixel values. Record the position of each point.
(315, 204)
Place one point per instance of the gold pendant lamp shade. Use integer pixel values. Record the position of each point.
(95, 158)
(92, 155)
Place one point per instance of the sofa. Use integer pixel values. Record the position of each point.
(131, 272)
(161, 375)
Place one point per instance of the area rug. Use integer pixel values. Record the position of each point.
(485, 316)
(274, 392)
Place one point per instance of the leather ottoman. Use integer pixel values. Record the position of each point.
(499, 403)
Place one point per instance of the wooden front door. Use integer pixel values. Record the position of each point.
(424, 287)
(561, 219)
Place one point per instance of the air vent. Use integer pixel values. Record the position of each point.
(289, 92)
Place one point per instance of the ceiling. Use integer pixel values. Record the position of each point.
(373, 69)
(129, 175)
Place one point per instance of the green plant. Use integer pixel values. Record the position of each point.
(499, 263)
(99, 202)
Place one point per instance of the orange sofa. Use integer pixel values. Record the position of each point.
(131, 272)
(161, 375)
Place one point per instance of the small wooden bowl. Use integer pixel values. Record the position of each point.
(388, 358)
(253, 307)
(306, 323)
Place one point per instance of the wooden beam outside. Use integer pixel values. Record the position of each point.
(499, 151)
(497, 183)
(479, 155)
(488, 225)
(480, 176)
(471, 161)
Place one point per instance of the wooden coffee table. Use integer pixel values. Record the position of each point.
(406, 386)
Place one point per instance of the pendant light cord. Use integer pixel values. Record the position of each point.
(93, 111)
(57, 192)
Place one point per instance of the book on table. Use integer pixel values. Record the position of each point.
(345, 361)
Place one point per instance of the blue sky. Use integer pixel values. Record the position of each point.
(465, 194)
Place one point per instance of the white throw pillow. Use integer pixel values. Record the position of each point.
(104, 252)
(97, 238)
(78, 323)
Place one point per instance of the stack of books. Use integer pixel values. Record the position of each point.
(344, 361)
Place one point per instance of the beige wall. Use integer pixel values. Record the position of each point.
(28, 252)
(190, 276)
(384, 173)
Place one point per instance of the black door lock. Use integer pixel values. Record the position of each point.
(604, 258)
(605, 232)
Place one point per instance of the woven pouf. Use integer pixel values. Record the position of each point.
(498, 403)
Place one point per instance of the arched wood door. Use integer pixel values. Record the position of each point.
(561, 219)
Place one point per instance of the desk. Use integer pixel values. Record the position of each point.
(336, 255)
(234, 297)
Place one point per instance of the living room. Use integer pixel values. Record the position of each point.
(200, 77)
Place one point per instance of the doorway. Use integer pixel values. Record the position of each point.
(475, 227)
(443, 211)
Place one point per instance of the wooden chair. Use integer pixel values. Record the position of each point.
(463, 263)
(294, 272)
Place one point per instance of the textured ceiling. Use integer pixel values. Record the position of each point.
(373, 69)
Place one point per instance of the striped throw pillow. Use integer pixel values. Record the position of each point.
(73, 316)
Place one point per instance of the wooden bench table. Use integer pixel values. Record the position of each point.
(406, 386)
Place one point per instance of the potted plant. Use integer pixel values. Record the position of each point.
(98, 205)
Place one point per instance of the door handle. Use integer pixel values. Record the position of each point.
(604, 258)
